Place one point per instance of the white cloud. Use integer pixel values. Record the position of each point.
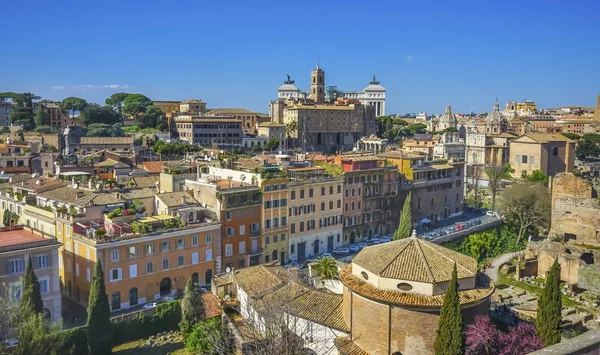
(409, 57)
(88, 86)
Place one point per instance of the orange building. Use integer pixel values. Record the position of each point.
(275, 220)
(139, 266)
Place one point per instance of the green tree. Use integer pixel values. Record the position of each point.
(290, 129)
(449, 338)
(31, 301)
(573, 136)
(326, 267)
(273, 143)
(495, 175)
(8, 216)
(538, 176)
(42, 118)
(162, 126)
(192, 307)
(115, 102)
(135, 105)
(100, 340)
(525, 207)
(151, 117)
(549, 307)
(93, 113)
(405, 228)
(72, 104)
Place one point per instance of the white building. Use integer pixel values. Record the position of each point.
(373, 94)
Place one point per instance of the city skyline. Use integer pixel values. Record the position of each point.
(426, 56)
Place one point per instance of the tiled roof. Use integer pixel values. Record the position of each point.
(347, 347)
(192, 101)
(69, 195)
(320, 307)
(174, 199)
(260, 279)
(401, 154)
(414, 259)
(230, 111)
(44, 184)
(271, 124)
(546, 137)
(211, 305)
(154, 167)
(112, 163)
(106, 140)
(113, 197)
(222, 280)
(145, 181)
(367, 290)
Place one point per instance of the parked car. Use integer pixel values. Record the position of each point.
(326, 255)
(361, 246)
(491, 213)
(385, 239)
(342, 251)
(375, 241)
(150, 305)
(354, 248)
(167, 299)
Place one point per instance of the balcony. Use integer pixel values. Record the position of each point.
(255, 251)
(255, 233)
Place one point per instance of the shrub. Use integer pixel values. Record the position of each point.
(197, 340)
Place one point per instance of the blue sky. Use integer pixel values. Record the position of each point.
(236, 53)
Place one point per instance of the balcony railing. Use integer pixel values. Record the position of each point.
(255, 233)
(255, 251)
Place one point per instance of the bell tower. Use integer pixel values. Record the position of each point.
(317, 85)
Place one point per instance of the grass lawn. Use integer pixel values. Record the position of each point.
(135, 347)
(508, 279)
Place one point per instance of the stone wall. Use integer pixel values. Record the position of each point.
(570, 258)
(567, 184)
(576, 220)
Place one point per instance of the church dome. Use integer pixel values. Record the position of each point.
(288, 87)
(496, 116)
(448, 119)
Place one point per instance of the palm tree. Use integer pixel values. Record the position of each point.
(290, 128)
(326, 267)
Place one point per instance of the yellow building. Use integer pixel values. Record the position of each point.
(275, 220)
(249, 118)
(549, 153)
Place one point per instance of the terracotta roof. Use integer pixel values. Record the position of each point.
(69, 195)
(32, 185)
(428, 262)
(211, 305)
(230, 111)
(546, 137)
(248, 163)
(222, 280)
(22, 238)
(106, 140)
(400, 298)
(153, 167)
(347, 347)
(174, 199)
(112, 163)
(226, 184)
(320, 307)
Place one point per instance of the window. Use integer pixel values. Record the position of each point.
(133, 270)
(208, 238)
(15, 266)
(518, 158)
(339, 189)
(150, 248)
(132, 251)
(283, 221)
(165, 263)
(301, 194)
(310, 192)
(322, 206)
(116, 274)
(293, 197)
(195, 258)
(114, 255)
(180, 260)
(149, 267)
(228, 215)
(555, 151)
(531, 159)
(322, 191)
(331, 190)
(242, 229)
(267, 240)
(44, 285)
(359, 191)
(76, 248)
(242, 247)
(330, 205)
(41, 261)
(165, 245)
(89, 274)
(293, 248)
(301, 226)
(230, 232)
(209, 254)
(524, 159)
(282, 237)
(228, 250)
(180, 243)
(275, 222)
(268, 223)
(293, 228)
(87, 254)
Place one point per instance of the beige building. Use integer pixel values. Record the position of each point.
(330, 127)
(110, 144)
(423, 143)
(208, 130)
(16, 246)
(315, 213)
(193, 106)
(272, 130)
(549, 153)
(249, 119)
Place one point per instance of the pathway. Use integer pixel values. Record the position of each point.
(492, 272)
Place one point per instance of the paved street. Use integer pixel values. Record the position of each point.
(492, 272)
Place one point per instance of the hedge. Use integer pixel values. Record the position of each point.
(166, 317)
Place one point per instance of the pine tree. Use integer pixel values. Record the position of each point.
(549, 307)
(31, 301)
(405, 228)
(100, 341)
(192, 307)
(449, 337)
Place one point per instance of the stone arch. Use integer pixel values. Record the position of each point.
(133, 296)
(195, 277)
(115, 301)
(165, 286)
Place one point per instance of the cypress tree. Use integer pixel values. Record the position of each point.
(449, 336)
(31, 301)
(100, 341)
(549, 307)
(405, 228)
(192, 307)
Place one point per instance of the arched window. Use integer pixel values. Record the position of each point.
(195, 277)
(208, 276)
(115, 302)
